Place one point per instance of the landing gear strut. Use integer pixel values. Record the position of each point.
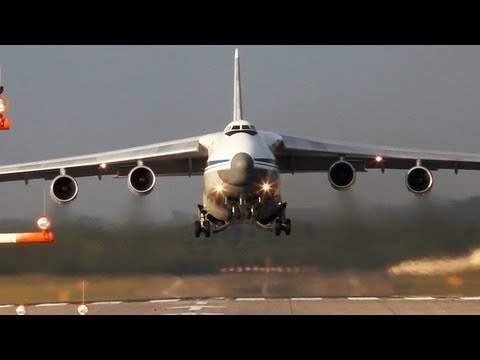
(281, 222)
(202, 225)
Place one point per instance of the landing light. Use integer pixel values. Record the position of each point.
(378, 159)
(266, 187)
(219, 188)
(103, 165)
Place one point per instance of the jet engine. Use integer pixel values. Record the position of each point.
(63, 189)
(341, 175)
(141, 180)
(419, 180)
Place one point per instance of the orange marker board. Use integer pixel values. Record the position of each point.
(4, 123)
(27, 238)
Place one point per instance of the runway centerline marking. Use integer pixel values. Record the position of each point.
(250, 299)
(306, 299)
(163, 301)
(470, 298)
(5, 306)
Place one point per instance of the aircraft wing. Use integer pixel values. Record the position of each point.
(179, 157)
(298, 154)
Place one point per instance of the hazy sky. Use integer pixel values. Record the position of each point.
(73, 100)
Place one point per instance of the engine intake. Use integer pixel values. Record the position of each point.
(141, 180)
(63, 189)
(341, 175)
(419, 180)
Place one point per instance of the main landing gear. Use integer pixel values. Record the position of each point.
(202, 225)
(281, 223)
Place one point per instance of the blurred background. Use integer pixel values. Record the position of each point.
(429, 249)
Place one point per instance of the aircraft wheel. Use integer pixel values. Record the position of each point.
(288, 226)
(198, 228)
(206, 225)
(278, 227)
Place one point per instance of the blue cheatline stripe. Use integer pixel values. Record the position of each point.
(267, 165)
(266, 160)
(215, 162)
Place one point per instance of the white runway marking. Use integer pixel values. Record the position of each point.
(106, 303)
(193, 313)
(5, 306)
(364, 298)
(50, 304)
(307, 299)
(199, 305)
(470, 298)
(211, 314)
(163, 301)
(250, 299)
(195, 307)
(419, 298)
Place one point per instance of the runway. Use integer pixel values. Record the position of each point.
(262, 306)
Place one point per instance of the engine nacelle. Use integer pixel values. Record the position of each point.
(63, 189)
(419, 180)
(141, 180)
(341, 175)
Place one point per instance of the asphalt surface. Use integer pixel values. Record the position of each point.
(262, 306)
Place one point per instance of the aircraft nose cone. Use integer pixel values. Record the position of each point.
(240, 172)
(242, 162)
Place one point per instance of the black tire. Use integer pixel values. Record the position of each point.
(288, 226)
(278, 227)
(206, 225)
(198, 228)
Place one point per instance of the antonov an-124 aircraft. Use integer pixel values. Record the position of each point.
(241, 168)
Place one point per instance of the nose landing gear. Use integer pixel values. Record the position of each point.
(202, 225)
(281, 222)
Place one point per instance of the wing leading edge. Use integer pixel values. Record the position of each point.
(180, 157)
(301, 154)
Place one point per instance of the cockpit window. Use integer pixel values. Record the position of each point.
(247, 129)
(253, 127)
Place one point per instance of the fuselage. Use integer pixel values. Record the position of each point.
(241, 174)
